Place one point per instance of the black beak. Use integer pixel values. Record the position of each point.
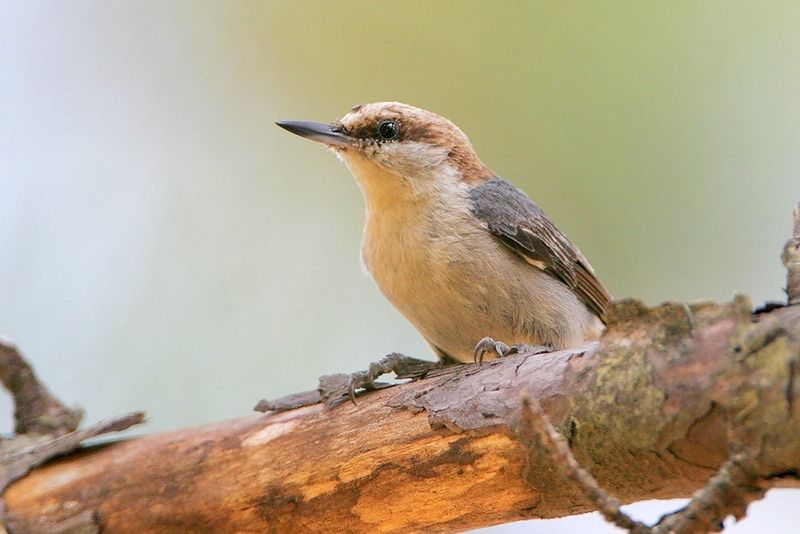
(317, 131)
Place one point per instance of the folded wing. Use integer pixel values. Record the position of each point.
(522, 226)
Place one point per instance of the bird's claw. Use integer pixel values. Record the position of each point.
(334, 387)
(488, 344)
(502, 350)
(364, 379)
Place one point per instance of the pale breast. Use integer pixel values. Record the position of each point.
(443, 270)
(456, 284)
(433, 269)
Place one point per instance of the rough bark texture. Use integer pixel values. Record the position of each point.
(652, 412)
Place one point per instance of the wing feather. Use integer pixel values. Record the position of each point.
(522, 226)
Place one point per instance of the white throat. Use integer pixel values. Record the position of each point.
(385, 189)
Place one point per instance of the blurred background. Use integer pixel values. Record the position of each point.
(163, 246)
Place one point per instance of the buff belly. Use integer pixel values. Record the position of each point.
(458, 288)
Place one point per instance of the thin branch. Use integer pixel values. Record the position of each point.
(16, 463)
(536, 419)
(727, 493)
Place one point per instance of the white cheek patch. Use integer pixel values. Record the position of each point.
(410, 157)
(394, 172)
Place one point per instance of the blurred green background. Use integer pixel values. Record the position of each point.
(163, 246)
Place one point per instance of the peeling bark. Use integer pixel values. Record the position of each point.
(651, 412)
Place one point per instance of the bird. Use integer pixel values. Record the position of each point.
(467, 257)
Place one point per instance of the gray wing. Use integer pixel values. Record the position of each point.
(522, 226)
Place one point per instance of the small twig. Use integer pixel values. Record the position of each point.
(727, 493)
(35, 409)
(24, 452)
(791, 259)
(17, 457)
(559, 451)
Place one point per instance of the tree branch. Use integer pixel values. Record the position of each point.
(654, 411)
(647, 412)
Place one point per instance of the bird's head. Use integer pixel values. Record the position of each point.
(389, 145)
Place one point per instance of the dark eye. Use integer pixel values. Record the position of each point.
(388, 129)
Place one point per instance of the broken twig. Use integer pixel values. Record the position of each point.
(35, 409)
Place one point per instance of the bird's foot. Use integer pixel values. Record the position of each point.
(502, 350)
(333, 387)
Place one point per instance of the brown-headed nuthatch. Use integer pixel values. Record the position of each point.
(463, 254)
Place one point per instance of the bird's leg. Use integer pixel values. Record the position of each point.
(502, 350)
(333, 387)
